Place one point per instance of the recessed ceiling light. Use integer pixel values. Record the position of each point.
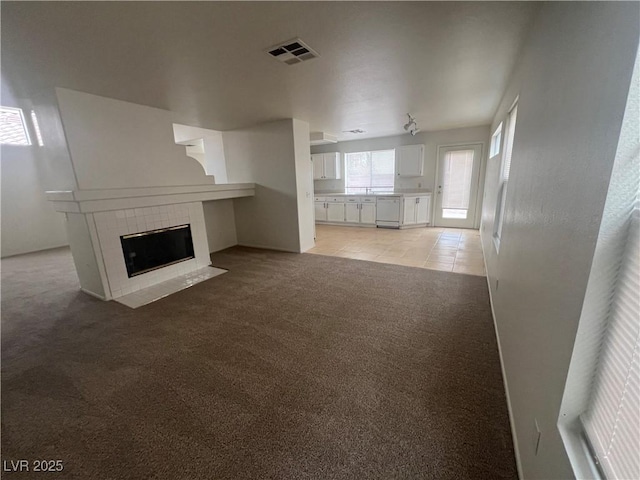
(357, 130)
(292, 51)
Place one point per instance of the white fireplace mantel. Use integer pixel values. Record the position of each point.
(97, 219)
(89, 201)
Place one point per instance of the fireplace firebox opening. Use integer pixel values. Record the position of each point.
(147, 251)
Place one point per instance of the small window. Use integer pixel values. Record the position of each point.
(508, 148)
(505, 170)
(496, 138)
(368, 172)
(36, 127)
(13, 130)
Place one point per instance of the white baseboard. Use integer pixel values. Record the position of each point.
(224, 248)
(266, 247)
(512, 424)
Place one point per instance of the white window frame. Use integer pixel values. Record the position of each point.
(610, 261)
(369, 152)
(25, 127)
(496, 140)
(36, 128)
(505, 168)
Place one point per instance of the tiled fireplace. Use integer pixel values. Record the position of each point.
(98, 219)
(113, 224)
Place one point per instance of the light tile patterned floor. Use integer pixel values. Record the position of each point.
(447, 249)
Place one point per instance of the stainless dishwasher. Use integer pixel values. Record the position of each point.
(388, 211)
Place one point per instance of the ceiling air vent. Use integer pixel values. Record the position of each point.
(292, 52)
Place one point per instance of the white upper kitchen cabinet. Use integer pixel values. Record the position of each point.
(326, 166)
(318, 166)
(410, 160)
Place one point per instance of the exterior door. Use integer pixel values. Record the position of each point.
(457, 186)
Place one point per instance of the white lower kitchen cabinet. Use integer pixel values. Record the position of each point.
(360, 210)
(347, 209)
(329, 209)
(416, 211)
(423, 210)
(360, 213)
(335, 212)
(368, 213)
(409, 211)
(352, 212)
(321, 211)
(391, 211)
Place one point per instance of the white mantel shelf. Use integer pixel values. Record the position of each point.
(89, 201)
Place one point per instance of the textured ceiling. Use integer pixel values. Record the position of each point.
(445, 62)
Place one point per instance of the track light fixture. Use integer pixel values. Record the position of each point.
(411, 126)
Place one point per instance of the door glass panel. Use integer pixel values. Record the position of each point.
(456, 185)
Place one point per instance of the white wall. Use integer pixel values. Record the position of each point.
(572, 81)
(29, 222)
(265, 154)
(431, 141)
(220, 222)
(83, 241)
(55, 166)
(115, 144)
(304, 182)
(213, 159)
